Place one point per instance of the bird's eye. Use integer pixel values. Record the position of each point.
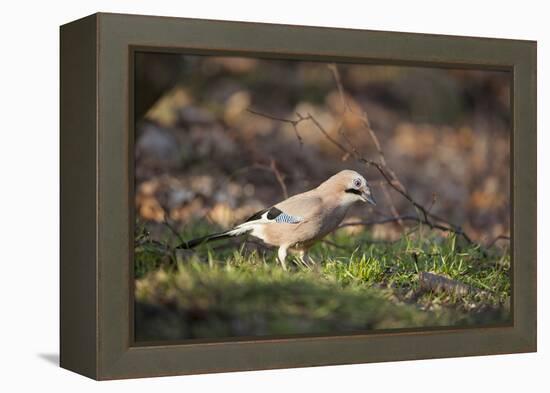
(357, 183)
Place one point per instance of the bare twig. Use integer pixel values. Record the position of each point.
(348, 141)
(334, 69)
(432, 202)
(164, 248)
(393, 209)
(402, 218)
(279, 177)
(293, 123)
(272, 167)
(362, 116)
(325, 133)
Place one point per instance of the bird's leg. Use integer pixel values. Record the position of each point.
(302, 255)
(281, 254)
(305, 258)
(301, 259)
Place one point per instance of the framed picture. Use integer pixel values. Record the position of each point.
(241, 196)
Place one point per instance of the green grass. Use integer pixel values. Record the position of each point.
(227, 289)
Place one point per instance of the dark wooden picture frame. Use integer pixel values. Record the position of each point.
(97, 179)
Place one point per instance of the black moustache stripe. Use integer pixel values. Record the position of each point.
(353, 191)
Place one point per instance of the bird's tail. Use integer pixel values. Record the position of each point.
(214, 236)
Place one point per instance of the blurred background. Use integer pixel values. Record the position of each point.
(201, 154)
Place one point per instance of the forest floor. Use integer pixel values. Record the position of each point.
(237, 288)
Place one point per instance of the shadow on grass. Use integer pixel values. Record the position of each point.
(202, 302)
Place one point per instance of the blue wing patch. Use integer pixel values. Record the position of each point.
(284, 218)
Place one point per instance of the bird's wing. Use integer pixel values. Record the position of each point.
(305, 206)
(294, 210)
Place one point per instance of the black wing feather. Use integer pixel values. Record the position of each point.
(272, 213)
(256, 216)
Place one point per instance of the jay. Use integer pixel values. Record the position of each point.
(303, 219)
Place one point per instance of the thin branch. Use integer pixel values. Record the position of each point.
(363, 116)
(325, 133)
(410, 218)
(268, 116)
(272, 167)
(432, 202)
(164, 248)
(347, 139)
(387, 220)
(334, 69)
(293, 123)
(279, 177)
(393, 209)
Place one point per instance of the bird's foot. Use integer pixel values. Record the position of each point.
(306, 260)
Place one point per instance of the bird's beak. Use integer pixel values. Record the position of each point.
(367, 196)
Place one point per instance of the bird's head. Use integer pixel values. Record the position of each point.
(350, 186)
